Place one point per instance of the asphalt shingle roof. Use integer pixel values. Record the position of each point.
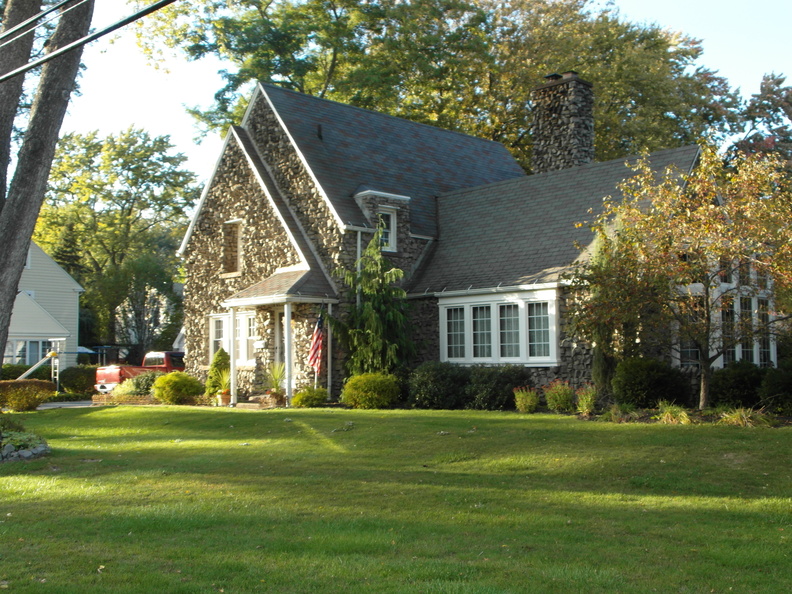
(364, 148)
(522, 231)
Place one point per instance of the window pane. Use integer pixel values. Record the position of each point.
(217, 335)
(509, 330)
(538, 330)
(746, 321)
(251, 336)
(455, 332)
(764, 329)
(727, 326)
(482, 331)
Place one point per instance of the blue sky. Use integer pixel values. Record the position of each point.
(742, 40)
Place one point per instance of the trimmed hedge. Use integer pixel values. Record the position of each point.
(776, 390)
(177, 388)
(736, 385)
(371, 390)
(438, 386)
(492, 388)
(645, 382)
(78, 380)
(25, 395)
(310, 398)
(11, 371)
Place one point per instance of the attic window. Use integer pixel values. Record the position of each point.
(387, 218)
(231, 246)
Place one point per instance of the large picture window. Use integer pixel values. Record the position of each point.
(514, 328)
(245, 336)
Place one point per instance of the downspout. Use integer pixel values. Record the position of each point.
(358, 265)
(287, 346)
(232, 352)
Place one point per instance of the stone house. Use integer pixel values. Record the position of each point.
(300, 187)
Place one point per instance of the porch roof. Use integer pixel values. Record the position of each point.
(304, 286)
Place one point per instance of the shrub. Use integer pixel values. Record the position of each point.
(775, 393)
(21, 440)
(78, 380)
(8, 424)
(672, 414)
(745, 417)
(491, 388)
(177, 388)
(220, 361)
(526, 399)
(371, 390)
(25, 395)
(586, 398)
(559, 396)
(438, 385)
(310, 398)
(737, 384)
(143, 384)
(644, 382)
(11, 371)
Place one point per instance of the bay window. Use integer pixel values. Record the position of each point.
(508, 328)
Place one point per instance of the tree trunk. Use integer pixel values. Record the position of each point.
(706, 372)
(12, 56)
(29, 184)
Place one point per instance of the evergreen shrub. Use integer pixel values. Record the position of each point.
(177, 388)
(371, 390)
(775, 393)
(11, 371)
(310, 398)
(736, 385)
(645, 382)
(79, 379)
(492, 388)
(438, 385)
(214, 379)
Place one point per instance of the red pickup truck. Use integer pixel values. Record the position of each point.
(109, 377)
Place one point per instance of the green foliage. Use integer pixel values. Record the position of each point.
(11, 371)
(9, 424)
(221, 361)
(371, 390)
(644, 382)
(438, 385)
(586, 400)
(672, 414)
(276, 376)
(376, 332)
(460, 64)
(177, 388)
(620, 413)
(775, 392)
(310, 398)
(79, 379)
(138, 385)
(736, 385)
(115, 212)
(560, 396)
(745, 417)
(526, 399)
(491, 388)
(25, 395)
(21, 440)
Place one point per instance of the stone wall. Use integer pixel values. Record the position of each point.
(563, 123)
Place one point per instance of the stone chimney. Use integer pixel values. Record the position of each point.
(563, 123)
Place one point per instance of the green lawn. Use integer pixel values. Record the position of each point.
(178, 499)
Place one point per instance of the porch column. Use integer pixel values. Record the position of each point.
(232, 352)
(288, 357)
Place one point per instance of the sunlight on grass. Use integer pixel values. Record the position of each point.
(328, 500)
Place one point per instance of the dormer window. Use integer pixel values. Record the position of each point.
(231, 246)
(387, 218)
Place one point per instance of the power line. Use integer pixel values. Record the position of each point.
(87, 39)
(32, 19)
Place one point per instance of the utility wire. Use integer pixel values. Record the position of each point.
(34, 18)
(87, 39)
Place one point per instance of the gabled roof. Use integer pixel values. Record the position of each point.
(347, 147)
(30, 320)
(522, 232)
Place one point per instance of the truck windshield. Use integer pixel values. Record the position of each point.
(177, 359)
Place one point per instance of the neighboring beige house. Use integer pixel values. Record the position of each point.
(47, 306)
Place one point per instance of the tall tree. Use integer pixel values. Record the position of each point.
(25, 194)
(124, 199)
(462, 64)
(688, 250)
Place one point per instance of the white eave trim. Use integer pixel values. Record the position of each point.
(275, 300)
(486, 290)
(367, 193)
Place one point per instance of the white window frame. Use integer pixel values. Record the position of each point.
(244, 348)
(521, 300)
(389, 214)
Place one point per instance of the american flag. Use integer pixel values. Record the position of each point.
(315, 352)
